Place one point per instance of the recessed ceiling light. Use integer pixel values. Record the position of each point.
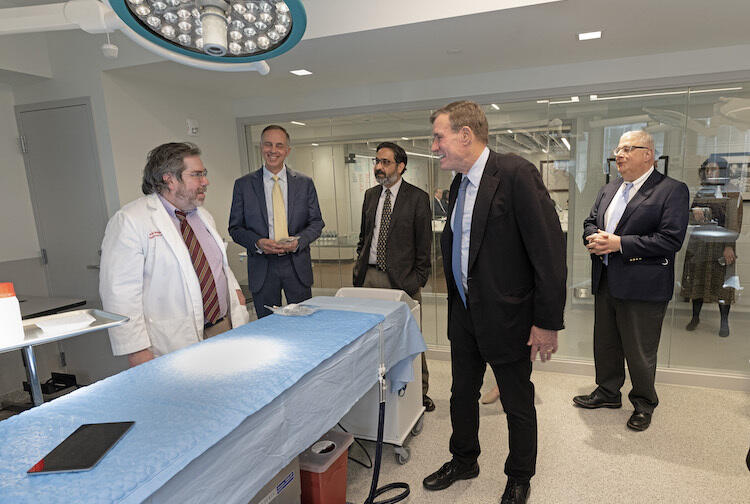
(509, 131)
(573, 99)
(495, 106)
(297, 123)
(590, 35)
(301, 71)
(404, 138)
(314, 144)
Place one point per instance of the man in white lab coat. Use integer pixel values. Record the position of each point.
(164, 265)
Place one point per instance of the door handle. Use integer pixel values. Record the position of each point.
(92, 266)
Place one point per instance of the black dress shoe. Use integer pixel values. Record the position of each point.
(448, 474)
(596, 400)
(639, 420)
(515, 492)
(428, 404)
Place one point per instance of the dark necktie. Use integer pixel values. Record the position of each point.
(458, 217)
(385, 224)
(211, 307)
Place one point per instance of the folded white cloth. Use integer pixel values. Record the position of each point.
(65, 323)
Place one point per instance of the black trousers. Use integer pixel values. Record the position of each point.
(627, 330)
(516, 395)
(280, 275)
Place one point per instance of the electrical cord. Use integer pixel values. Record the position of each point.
(369, 459)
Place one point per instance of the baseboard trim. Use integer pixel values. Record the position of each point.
(687, 377)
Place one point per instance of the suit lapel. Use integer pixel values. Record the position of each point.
(446, 239)
(487, 188)
(610, 192)
(172, 236)
(256, 182)
(291, 191)
(372, 207)
(398, 205)
(642, 195)
(371, 213)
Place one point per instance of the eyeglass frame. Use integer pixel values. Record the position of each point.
(200, 174)
(385, 162)
(627, 149)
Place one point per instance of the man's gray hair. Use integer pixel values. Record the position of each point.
(646, 138)
(164, 160)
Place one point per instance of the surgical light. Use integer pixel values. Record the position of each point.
(225, 35)
(228, 32)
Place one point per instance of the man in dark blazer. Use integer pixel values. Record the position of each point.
(395, 235)
(635, 228)
(275, 215)
(504, 258)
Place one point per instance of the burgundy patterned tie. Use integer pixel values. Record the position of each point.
(211, 308)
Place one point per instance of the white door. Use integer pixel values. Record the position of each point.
(68, 199)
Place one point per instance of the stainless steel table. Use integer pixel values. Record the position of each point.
(34, 336)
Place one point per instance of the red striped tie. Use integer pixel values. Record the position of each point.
(211, 308)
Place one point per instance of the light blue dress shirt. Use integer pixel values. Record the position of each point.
(475, 176)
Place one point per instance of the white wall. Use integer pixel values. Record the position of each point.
(143, 115)
(16, 214)
(25, 54)
(77, 66)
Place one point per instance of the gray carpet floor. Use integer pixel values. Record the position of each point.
(694, 451)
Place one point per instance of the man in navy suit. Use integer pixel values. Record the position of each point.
(275, 215)
(504, 260)
(635, 228)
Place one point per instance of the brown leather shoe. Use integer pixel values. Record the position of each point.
(450, 473)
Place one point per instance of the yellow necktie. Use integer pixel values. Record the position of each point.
(279, 212)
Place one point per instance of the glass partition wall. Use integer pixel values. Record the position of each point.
(570, 140)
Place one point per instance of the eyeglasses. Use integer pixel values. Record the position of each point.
(627, 149)
(385, 162)
(197, 174)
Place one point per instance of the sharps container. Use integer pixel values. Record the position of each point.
(11, 327)
(323, 469)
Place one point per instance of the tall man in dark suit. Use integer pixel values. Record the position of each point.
(393, 251)
(504, 259)
(635, 228)
(275, 215)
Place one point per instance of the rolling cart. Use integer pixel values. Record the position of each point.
(404, 413)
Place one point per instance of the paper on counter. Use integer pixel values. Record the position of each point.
(65, 323)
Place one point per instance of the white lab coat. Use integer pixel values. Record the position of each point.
(147, 275)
